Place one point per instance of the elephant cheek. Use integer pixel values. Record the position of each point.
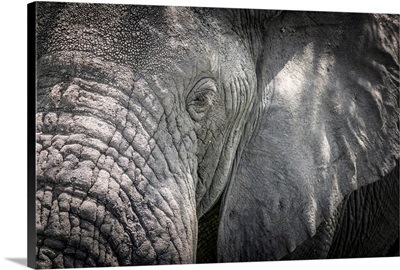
(98, 206)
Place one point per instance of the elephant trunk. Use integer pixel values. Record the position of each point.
(107, 195)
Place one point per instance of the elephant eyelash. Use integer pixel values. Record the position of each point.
(205, 97)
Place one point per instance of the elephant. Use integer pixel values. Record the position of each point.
(175, 135)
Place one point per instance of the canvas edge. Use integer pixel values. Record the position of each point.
(31, 112)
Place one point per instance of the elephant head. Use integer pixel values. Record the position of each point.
(147, 116)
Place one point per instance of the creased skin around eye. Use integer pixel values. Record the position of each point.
(201, 98)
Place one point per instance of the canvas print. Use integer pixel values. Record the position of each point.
(181, 135)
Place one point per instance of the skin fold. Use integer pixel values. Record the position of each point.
(180, 135)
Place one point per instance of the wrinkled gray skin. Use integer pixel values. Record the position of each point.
(149, 116)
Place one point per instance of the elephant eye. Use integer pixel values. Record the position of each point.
(201, 98)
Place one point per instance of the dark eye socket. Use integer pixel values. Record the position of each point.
(201, 97)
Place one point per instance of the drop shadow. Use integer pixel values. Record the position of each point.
(20, 261)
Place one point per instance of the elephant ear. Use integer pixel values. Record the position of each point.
(327, 124)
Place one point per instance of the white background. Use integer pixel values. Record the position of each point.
(13, 141)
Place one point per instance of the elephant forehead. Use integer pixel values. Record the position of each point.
(138, 36)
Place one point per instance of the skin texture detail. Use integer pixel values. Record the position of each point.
(171, 135)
